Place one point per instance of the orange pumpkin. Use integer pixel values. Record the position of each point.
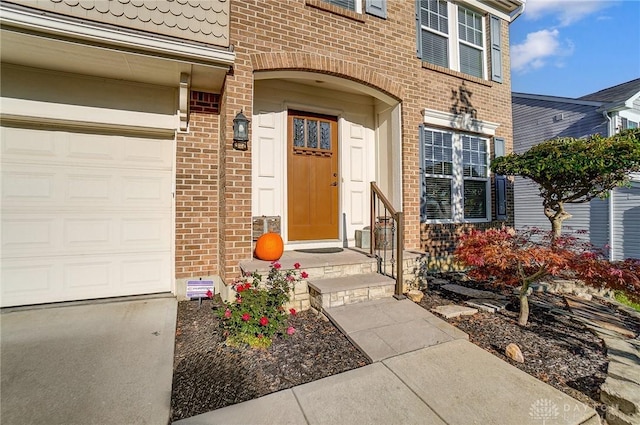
(269, 247)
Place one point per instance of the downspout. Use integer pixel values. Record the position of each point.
(610, 131)
(516, 13)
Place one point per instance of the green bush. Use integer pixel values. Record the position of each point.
(258, 312)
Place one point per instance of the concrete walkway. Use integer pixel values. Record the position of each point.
(425, 372)
(98, 363)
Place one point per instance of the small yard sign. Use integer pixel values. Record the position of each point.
(199, 288)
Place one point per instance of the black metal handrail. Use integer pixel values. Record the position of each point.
(387, 237)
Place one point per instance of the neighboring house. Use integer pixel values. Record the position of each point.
(612, 222)
(119, 170)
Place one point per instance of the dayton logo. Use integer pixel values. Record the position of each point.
(544, 410)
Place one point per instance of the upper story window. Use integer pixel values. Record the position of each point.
(372, 7)
(453, 36)
(347, 4)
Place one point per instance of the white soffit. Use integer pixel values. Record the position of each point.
(40, 40)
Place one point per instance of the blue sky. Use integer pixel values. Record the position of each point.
(571, 48)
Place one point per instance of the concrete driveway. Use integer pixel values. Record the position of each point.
(96, 363)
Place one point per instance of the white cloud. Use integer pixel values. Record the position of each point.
(544, 47)
(566, 12)
(538, 49)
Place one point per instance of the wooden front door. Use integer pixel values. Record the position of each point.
(312, 176)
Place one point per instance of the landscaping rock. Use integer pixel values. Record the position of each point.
(438, 281)
(514, 353)
(624, 372)
(624, 395)
(452, 310)
(471, 293)
(616, 417)
(415, 295)
(490, 306)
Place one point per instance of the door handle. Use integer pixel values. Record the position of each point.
(334, 184)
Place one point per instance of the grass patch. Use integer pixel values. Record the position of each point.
(622, 298)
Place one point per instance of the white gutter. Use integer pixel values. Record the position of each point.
(120, 39)
(610, 131)
(516, 13)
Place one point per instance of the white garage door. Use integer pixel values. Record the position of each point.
(84, 215)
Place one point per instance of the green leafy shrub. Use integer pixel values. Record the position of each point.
(258, 312)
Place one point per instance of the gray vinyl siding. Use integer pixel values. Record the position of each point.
(591, 217)
(535, 121)
(626, 222)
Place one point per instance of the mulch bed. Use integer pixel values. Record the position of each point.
(209, 375)
(557, 350)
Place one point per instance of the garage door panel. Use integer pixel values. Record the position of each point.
(87, 187)
(20, 145)
(53, 279)
(146, 189)
(84, 215)
(21, 234)
(20, 185)
(39, 145)
(144, 272)
(60, 188)
(140, 151)
(74, 234)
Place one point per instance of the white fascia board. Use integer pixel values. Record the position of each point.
(462, 122)
(486, 8)
(555, 99)
(121, 38)
(632, 99)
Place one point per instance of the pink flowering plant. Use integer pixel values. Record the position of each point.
(258, 313)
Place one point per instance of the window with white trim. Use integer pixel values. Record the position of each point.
(455, 175)
(372, 7)
(451, 36)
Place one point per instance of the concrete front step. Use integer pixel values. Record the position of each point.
(350, 289)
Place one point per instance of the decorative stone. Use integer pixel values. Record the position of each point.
(470, 292)
(415, 295)
(438, 281)
(451, 310)
(584, 296)
(513, 352)
(490, 306)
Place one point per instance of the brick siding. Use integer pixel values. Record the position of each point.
(381, 53)
(197, 189)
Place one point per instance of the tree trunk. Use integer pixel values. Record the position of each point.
(556, 215)
(524, 309)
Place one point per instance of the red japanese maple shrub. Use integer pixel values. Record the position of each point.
(519, 258)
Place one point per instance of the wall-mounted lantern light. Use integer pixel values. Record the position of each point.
(240, 132)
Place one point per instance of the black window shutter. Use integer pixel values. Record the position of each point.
(376, 8)
(501, 197)
(423, 177)
(499, 150)
(418, 30)
(496, 49)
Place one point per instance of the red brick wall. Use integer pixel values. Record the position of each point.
(197, 189)
(313, 35)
